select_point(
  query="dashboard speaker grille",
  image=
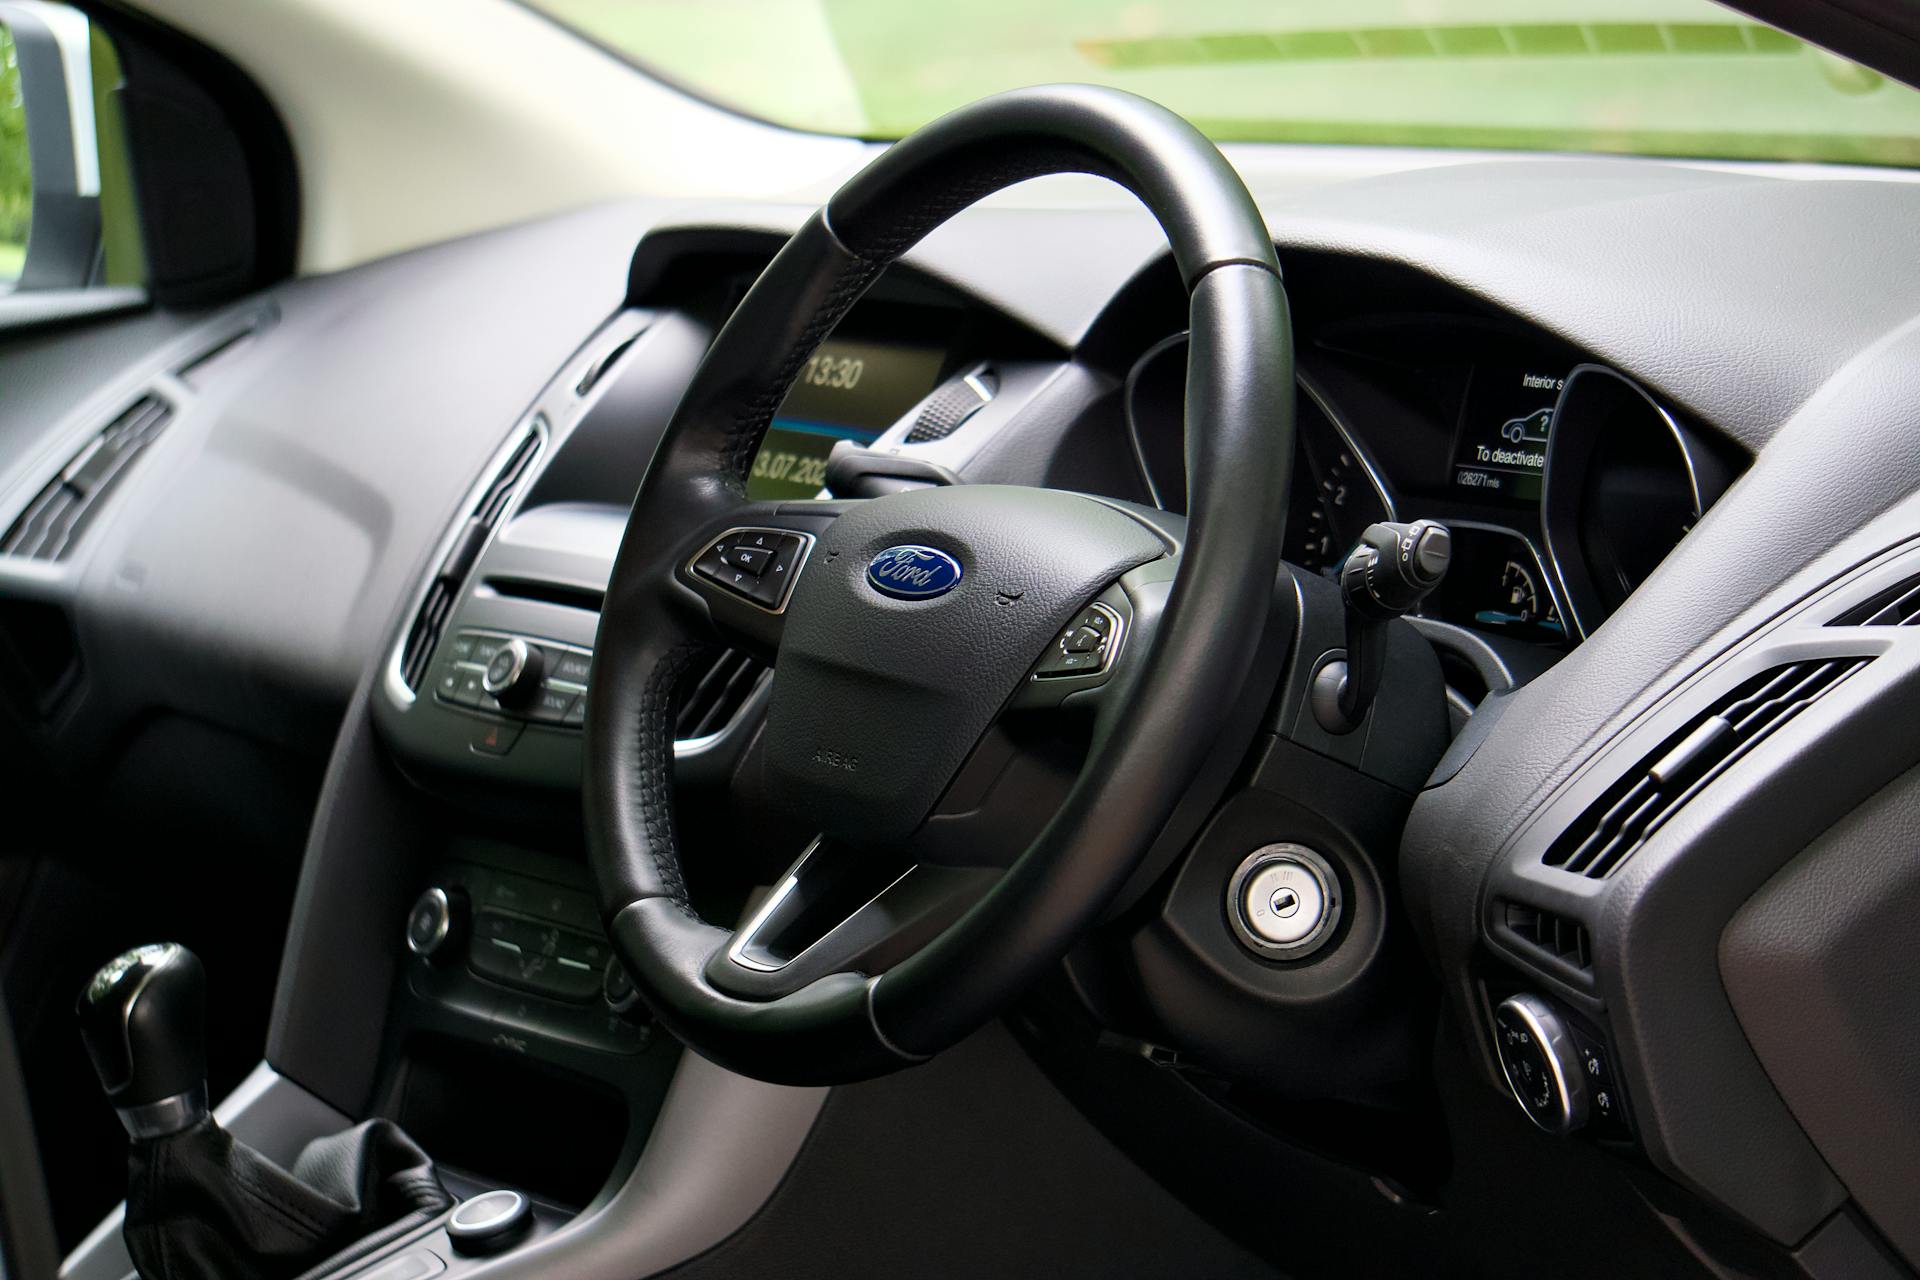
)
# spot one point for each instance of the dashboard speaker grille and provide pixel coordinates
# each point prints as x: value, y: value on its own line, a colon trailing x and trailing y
x: 1627, y: 814
x: 430, y: 620
x: 714, y: 699
x: 51, y: 525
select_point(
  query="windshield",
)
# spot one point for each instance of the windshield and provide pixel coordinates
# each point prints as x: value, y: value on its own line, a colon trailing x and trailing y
x: 1651, y: 77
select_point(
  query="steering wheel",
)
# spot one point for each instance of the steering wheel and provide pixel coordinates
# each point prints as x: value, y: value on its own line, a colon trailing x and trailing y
x: 902, y: 628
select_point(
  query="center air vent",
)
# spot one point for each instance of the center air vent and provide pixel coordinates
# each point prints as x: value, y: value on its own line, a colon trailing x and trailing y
x: 431, y: 618
x: 1629, y: 812
x: 54, y: 520
x: 716, y: 697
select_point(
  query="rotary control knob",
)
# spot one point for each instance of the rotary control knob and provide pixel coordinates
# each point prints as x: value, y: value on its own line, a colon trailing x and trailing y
x: 489, y: 1222
x: 1541, y: 1062
x: 513, y: 676
x: 617, y: 989
x: 437, y: 924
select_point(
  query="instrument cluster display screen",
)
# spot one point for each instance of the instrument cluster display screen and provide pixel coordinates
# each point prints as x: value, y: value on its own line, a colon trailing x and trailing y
x: 1501, y: 448
x: 849, y: 390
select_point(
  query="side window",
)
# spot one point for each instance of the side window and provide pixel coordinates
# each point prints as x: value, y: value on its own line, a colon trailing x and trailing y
x: 16, y: 173
x: 67, y: 212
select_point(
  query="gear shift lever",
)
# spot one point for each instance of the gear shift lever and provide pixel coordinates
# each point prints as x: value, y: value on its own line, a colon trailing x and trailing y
x: 202, y: 1205
x: 144, y: 1019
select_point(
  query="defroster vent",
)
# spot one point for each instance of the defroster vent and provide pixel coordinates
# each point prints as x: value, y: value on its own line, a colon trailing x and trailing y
x: 52, y: 523
x: 444, y: 589
x: 1629, y: 812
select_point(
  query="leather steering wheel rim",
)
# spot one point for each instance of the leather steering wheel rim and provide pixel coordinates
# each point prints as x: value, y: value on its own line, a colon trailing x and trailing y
x: 1239, y: 411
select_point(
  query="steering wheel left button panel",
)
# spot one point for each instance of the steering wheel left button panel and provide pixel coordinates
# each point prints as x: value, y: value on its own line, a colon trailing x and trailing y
x: 759, y: 565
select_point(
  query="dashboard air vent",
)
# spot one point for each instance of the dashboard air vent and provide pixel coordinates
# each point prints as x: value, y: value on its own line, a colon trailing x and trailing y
x: 444, y: 590
x: 1551, y: 934
x: 1897, y: 606
x: 713, y: 700
x: 1629, y: 812
x: 54, y: 520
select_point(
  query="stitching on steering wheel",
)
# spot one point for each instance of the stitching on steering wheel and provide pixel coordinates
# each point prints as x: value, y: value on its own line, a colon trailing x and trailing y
x: 656, y: 769
x: 872, y: 256
x: 938, y: 201
x: 752, y: 420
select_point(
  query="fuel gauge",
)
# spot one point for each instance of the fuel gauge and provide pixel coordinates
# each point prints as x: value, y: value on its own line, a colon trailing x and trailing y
x: 1519, y: 602
x: 1496, y: 584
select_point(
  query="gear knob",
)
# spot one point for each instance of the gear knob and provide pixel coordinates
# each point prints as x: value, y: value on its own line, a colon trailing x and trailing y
x: 144, y: 1019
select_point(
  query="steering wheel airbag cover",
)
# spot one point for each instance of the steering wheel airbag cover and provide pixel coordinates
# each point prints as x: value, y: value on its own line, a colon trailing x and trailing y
x: 878, y: 699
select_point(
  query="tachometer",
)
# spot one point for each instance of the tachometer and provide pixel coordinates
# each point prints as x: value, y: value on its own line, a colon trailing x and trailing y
x: 1333, y: 499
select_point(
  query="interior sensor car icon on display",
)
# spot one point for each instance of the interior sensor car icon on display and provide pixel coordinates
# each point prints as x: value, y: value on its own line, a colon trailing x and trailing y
x: 1531, y: 429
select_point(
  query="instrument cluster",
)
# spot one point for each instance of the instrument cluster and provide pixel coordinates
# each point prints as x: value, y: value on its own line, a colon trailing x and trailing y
x: 1564, y: 482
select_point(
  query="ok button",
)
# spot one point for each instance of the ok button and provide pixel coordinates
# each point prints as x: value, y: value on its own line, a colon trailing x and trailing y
x: 1284, y: 901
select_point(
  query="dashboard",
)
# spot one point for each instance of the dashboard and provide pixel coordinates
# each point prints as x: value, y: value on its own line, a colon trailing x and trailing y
x: 1639, y: 451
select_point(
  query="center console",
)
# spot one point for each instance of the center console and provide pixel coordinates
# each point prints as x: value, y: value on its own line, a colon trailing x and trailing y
x: 452, y: 968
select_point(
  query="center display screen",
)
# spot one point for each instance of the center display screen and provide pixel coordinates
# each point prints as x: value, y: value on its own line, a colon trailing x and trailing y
x: 1501, y: 448
x: 849, y: 390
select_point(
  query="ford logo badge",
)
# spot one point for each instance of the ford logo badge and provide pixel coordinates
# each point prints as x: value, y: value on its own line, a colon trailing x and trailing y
x: 913, y: 573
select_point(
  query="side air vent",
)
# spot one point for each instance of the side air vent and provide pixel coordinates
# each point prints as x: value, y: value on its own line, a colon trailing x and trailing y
x: 1551, y: 934
x: 1628, y: 814
x: 444, y: 590
x: 1897, y: 606
x: 52, y: 523
x: 716, y: 697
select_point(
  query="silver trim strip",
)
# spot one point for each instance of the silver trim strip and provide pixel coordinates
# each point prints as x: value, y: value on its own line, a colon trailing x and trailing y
x: 393, y: 679
x: 1332, y: 414
x: 1680, y: 438
x: 167, y: 1116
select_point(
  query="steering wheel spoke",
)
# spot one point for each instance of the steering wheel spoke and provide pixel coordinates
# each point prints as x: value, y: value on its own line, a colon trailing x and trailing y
x: 841, y: 910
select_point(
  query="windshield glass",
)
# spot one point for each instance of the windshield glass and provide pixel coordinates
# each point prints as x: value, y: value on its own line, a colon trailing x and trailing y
x: 1652, y: 77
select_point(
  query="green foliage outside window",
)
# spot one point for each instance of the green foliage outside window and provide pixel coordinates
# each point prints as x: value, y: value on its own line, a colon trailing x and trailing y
x: 1652, y: 77
x: 16, y: 176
